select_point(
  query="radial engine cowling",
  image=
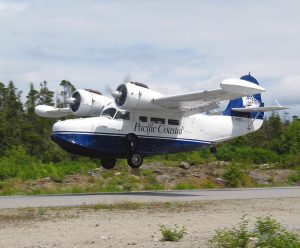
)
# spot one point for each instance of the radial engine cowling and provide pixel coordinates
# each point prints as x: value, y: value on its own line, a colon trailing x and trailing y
x: 130, y: 96
x: 87, y: 104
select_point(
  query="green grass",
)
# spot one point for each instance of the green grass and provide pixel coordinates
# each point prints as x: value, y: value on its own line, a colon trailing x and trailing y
x: 18, y: 164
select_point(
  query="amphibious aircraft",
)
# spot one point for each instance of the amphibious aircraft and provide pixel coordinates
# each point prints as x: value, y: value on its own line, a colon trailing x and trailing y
x: 138, y: 122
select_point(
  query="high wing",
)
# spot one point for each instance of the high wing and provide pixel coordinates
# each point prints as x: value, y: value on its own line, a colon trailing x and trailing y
x: 207, y: 100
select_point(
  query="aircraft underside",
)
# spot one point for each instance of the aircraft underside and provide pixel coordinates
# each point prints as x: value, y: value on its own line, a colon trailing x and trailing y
x: 110, y: 145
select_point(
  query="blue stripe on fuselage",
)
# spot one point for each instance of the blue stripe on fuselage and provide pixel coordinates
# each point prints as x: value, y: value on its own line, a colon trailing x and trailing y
x: 111, y: 144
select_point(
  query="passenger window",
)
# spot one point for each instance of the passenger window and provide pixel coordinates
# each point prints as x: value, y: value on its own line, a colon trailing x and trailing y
x: 157, y: 120
x: 173, y: 122
x: 143, y: 119
x: 109, y: 112
x: 123, y: 116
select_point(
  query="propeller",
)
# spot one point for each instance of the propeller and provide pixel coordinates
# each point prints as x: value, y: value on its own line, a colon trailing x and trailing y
x: 120, y: 95
x: 116, y: 94
x: 127, y: 78
x: 74, y: 101
x: 108, y: 90
x: 71, y: 100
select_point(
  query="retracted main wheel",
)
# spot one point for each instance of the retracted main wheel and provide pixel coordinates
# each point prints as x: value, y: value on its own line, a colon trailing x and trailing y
x: 131, y: 143
x: 135, y: 160
x: 108, y: 163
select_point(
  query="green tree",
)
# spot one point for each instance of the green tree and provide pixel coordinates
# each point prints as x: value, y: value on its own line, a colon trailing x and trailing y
x: 12, y: 115
x: 32, y: 99
x: 68, y: 89
x: 45, y: 96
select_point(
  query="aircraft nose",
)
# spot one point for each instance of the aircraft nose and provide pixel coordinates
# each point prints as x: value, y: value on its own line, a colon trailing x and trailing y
x: 74, y: 126
x: 59, y: 127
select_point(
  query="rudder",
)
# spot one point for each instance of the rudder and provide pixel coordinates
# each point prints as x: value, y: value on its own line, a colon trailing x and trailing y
x: 246, y: 102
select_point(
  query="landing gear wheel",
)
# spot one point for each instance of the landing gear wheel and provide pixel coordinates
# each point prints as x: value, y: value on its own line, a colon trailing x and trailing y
x: 135, y: 160
x: 108, y: 163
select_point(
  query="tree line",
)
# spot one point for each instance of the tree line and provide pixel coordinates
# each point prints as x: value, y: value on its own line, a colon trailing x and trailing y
x: 21, y: 128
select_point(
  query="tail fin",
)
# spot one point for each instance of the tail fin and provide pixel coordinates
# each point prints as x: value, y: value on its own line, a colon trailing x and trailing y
x: 246, y: 102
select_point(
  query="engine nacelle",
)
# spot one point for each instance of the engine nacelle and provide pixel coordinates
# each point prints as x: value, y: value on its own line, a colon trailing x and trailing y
x: 87, y: 103
x: 131, y: 96
x: 84, y: 103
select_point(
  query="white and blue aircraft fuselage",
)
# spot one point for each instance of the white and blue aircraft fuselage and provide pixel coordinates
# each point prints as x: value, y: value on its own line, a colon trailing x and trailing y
x: 140, y: 122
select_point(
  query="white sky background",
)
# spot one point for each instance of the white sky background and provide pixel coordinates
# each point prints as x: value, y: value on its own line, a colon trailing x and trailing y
x: 173, y: 46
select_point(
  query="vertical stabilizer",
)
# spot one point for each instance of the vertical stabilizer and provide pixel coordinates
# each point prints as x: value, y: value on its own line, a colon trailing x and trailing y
x: 253, y: 101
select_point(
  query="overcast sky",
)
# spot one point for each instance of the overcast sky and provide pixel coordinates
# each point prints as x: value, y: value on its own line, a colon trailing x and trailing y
x: 173, y: 46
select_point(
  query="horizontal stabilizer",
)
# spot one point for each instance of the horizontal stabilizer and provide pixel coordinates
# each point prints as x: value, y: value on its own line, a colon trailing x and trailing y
x: 259, y: 109
x: 52, y: 112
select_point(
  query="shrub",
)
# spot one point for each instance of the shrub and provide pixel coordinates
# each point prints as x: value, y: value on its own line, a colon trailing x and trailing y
x: 18, y: 164
x: 207, y: 183
x: 236, y: 175
x: 246, y: 154
x: 268, y: 233
x: 229, y: 238
x: 174, y: 234
x: 294, y: 178
x: 183, y: 186
x: 150, y: 181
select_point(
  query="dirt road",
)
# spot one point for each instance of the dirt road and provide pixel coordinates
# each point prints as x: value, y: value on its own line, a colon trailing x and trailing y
x: 77, y: 227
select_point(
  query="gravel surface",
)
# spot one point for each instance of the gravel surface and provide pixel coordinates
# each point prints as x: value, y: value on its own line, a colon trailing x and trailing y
x: 77, y: 227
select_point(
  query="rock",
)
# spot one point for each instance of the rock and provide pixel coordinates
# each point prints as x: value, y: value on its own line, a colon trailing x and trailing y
x: 184, y: 165
x: 157, y: 172
x: 90, y: 173
x: 223, y: 163
x: 260, y: 178
x: 117, y: 174
x: 134, y: 176
x: 221, y: 181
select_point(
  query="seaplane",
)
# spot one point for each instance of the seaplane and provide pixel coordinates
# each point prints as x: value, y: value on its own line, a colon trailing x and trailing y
x: 136, y: 121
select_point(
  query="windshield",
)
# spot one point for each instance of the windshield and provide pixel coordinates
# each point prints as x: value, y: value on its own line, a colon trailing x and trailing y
x: 123, y: 116
x: 109, y: 112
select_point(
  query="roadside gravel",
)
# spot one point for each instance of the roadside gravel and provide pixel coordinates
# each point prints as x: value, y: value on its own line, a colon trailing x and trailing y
x: 87, y: 227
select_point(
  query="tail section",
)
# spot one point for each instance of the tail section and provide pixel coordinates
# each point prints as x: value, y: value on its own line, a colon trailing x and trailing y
x: 238, y: 107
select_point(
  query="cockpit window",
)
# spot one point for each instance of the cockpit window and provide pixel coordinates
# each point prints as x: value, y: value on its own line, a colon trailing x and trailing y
x: 109, y: 112
x: 123, y: 116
